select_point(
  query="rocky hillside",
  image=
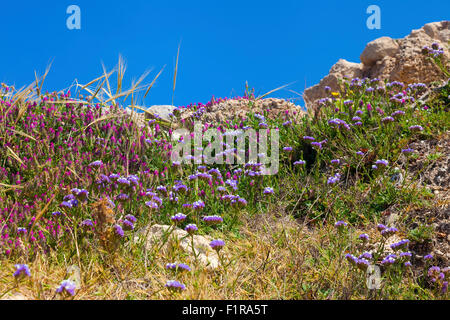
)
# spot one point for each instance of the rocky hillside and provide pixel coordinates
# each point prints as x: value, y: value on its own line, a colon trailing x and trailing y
x: 390, y: 59
x: 93, y: 206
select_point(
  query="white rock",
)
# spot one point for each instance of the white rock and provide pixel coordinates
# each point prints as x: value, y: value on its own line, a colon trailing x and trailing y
x: 156, y: 233
x: 163, y: 111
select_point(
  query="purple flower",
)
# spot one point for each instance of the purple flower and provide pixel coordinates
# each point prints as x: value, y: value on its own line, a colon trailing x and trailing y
x: 434, y: 271
x: 162, y: 189
x: 403, y: 244
x: 416, y: 128
x: 406, y: 255
x: 387, y: 119
x: 318, y: 145
x: 171, y: 266
x: 287, y: 149
x: 67, y: 287
x: 152, y: 205
x: 242, y: 202
x: 104, y: 180
x: 198, y: 205
x: 123, y: 181
x: 122, y: 197
x: 348, y: 102
x: 407, y: 150
x: 82, y: 194
x: 398, y: 113
x: 444, y: 287
x: 21, y: 230
x: 211, y: 220
x: 217, y: 244
x: 127, y: 225
x: 334, y: 179
x: 114, y: 176
x: 221, y: 189
x: 215, y: 172
x: 191, y: 228
x: 381, y: 227
x: 340, y: 224
x: 183, y: 267
x: 268, y: 190
x: 174, y: 285
x: 335, y: 162
x: 382, y: 162
x: 351, y: 258
x: 389, y: 232
x: 118, y: 230
x: 66, y: 204
x: 130, y: 218
x: 87, y: 223
x: 179, y: 217
x: 362, y: 264
x: 390, y: 259
x: 364, y: 237
x: 308, y: 138
x: 96, y: 164
x: 180, y: 188
x: 428, y: 257
x: 178, y: 267
x: 134, y: 180
x: 299, y: 162
x: 366, y: 255
x: 22, y: 271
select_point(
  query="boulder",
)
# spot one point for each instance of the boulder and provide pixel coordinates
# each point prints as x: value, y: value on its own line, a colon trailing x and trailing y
x: 342, y: 68
x: 391, y: 60
x: 165, y: 112
x: 378, y: 49
x: 156, y: 234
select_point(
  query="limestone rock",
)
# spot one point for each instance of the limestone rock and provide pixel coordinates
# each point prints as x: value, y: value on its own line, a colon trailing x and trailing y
x: 156, y: 233
x: 392, y: 60
x: 378, y: 49
x: 342, y: 68
x: 165, y: 112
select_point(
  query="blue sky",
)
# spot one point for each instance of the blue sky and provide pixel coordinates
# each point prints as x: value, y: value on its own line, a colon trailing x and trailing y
x: 223, y: 43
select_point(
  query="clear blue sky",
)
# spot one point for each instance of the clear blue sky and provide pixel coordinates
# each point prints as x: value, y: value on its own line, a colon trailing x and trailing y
x: 223, y: 42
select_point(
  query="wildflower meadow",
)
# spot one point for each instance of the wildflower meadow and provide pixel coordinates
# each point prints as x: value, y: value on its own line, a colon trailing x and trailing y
x: 83, y: 181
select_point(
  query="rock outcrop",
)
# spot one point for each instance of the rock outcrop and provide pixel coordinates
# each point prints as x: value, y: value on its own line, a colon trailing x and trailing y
x: 391, y: 59
x: 194, y: 246
x: 231, y: 109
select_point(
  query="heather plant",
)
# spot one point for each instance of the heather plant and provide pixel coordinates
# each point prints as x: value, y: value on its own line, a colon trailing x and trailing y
x: 80, y: 178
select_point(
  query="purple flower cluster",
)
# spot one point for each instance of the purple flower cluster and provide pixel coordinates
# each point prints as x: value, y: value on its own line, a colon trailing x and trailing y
x: 212, y: 220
